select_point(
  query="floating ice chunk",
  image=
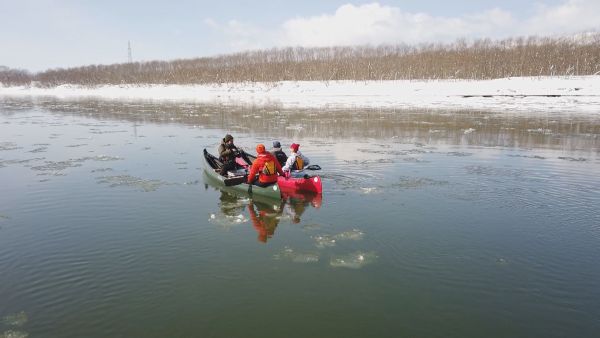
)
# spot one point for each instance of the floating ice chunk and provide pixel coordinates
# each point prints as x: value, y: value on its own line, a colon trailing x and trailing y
x: 9, y: 146
x: 227, y: 220
x: 16, y: 319
x: 14, y: 334
x: 368, y: 190
x: 131, y: 181
x: 573, y: 159
x: 297, y: 257
x: 323, y: 241
x: 354, y: 260
x: 353, y: 235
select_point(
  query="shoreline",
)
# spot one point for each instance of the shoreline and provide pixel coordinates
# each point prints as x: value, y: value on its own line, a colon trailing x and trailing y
x: 576, y: 94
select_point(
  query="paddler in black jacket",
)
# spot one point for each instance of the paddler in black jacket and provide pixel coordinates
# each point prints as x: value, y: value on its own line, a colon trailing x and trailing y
x: 227, y: 154
x: 278, y: 153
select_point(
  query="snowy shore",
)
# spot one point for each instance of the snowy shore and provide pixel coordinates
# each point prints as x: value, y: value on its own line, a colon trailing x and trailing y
x: 579, y: 94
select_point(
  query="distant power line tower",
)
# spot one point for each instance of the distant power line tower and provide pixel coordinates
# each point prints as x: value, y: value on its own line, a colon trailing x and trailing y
x: 129, y: 58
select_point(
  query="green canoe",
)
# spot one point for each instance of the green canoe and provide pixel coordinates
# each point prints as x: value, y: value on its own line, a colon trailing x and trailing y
x: 211, y: 169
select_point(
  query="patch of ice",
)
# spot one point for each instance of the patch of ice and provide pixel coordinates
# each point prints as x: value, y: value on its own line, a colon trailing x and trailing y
x: 354, y: 260
x: 131, y: 181
x: 15, y: 319
x: 297, y: 257
x: 14, y: 334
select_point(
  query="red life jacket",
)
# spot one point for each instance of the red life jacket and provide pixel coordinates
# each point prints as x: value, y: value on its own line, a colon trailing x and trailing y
x: 267, y: 167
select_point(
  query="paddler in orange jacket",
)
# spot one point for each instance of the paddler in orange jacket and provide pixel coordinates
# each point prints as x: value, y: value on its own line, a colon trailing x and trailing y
x: 267, y: 167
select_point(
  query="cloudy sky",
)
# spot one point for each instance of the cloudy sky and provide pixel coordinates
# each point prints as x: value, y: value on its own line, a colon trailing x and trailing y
x: 41, y: 34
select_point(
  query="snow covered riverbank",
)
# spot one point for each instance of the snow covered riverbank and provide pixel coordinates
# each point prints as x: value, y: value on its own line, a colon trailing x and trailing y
x: 579, y: 94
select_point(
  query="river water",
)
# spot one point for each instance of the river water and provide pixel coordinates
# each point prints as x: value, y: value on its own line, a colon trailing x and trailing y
x: 431, y: 224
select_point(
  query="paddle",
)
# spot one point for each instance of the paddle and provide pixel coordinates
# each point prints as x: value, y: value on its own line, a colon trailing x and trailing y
x: 231, y: 181
x: 313, y: 167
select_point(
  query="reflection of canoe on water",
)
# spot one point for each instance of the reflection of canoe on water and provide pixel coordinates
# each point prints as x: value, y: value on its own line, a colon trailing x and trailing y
x: 300, y: 180
x: 211, y: 168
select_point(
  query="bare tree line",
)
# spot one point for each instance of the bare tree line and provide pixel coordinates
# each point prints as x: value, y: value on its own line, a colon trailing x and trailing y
x: 480, y: 59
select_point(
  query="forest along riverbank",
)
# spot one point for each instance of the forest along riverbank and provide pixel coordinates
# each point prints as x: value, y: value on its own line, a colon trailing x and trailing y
x: 573, y: 94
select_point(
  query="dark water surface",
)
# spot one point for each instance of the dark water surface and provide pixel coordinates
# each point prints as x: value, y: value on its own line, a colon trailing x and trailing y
x: 431, y: 224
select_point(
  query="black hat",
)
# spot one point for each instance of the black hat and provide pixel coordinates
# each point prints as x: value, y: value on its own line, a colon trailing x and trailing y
x: 276, y: 144
x: 228, y: 138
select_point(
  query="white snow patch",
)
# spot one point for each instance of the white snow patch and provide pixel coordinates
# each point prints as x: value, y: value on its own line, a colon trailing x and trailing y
x: 524, y: 94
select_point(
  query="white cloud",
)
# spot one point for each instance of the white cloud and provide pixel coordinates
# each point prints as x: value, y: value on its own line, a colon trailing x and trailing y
x: 379, y: 24
x: 571, y: 16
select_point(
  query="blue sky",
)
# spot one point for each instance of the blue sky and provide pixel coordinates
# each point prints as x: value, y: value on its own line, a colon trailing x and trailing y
x: 42, y: 34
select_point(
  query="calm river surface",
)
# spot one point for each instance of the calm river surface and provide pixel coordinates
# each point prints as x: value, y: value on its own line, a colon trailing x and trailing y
x: 431, y: 224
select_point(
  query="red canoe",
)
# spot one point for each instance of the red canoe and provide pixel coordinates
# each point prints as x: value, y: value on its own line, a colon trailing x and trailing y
x: 291, y: 184
x: 312, y: 184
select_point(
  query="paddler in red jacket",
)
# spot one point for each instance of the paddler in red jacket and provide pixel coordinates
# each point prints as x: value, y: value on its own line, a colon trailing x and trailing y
x: 266, y: 166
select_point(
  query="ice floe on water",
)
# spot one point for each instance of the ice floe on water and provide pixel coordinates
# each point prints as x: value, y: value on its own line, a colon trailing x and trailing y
x: 501, y: 261
x: 297, y: 257
x: 5, y: 146
x: 323, y: 241
x: 459, y: 154
x: 355, y: 260
x: 39, y: 150
x: 4, y: 163
x: 311, y: 226
x: 15, y: 319
x: 14, y: 334
x: 405, y: 182
x: 352, y: 235
x: 145, y: 185
x: 573, y: 159
x: 56, y: 168
x: 227, y: 220
x: 368, y: 190
x: 102, y: 170
x: 527, y: 156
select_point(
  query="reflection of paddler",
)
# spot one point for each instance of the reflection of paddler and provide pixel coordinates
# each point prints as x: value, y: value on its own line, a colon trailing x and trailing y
x: 265, y: 221
x: 297, y: 203
x: 230, y: 204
